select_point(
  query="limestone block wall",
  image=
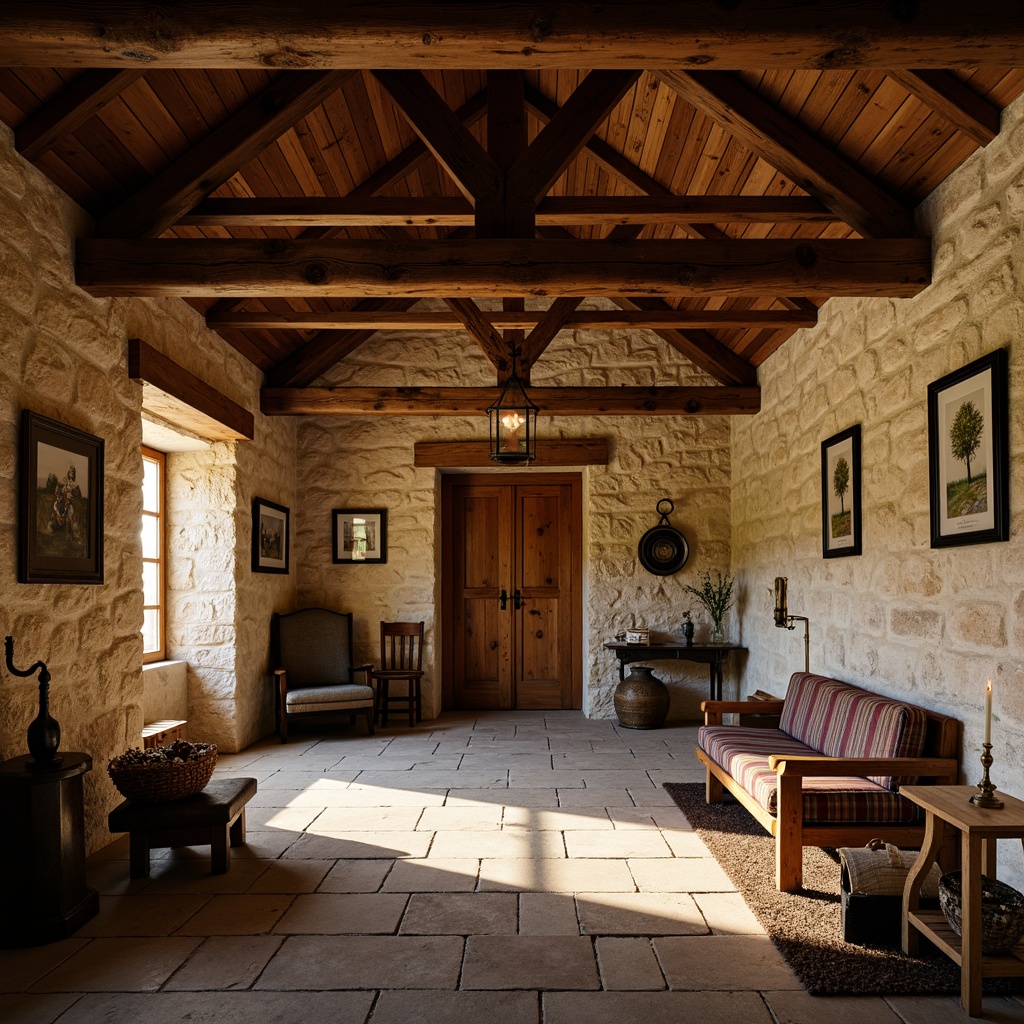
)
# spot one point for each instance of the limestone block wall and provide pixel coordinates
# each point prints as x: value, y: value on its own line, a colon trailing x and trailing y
x: 368, y: 462
x: 902, y: 618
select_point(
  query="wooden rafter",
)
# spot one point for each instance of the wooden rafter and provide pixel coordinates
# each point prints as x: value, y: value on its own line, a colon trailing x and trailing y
x: 952, y: 99
x: 476, y: 267
x: 467, y: 401
x: 481, y: 331
x: 516, y: 34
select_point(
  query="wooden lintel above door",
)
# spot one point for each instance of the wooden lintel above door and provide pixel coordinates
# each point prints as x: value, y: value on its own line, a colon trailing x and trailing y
x: 585, y: 451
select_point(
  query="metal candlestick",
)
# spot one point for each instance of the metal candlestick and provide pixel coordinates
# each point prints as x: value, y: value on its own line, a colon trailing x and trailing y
x: 986, y: 798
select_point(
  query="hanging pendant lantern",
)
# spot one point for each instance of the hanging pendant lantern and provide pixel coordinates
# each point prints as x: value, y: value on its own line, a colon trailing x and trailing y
x: 513, y: 423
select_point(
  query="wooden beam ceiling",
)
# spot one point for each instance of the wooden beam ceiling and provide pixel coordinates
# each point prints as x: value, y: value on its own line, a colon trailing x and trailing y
x: 517, y: 34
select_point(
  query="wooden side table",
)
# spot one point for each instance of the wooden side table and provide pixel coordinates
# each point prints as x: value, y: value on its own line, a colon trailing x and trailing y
x: 979, y: 829
x: 711, y: 655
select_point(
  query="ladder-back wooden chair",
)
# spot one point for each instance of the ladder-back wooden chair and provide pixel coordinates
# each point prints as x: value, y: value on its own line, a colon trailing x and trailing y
x: 401, y: 661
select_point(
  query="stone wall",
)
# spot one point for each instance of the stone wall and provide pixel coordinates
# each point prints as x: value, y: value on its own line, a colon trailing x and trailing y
x: 368, y: 462
x: 65, y: 356
x: 904, y: 619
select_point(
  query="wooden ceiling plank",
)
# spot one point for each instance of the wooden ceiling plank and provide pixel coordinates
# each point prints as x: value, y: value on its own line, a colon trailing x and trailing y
x: 811, y: 164
x: 70, y: 109
x: 552, y: 401
x: 953, y: 100
x: 466, y: 268
x: 482, y: 332
x: 308, y: 34
x: 444, y: 133
x: 208, y: 164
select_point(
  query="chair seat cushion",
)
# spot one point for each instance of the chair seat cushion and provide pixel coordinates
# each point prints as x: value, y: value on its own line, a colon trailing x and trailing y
x: 329, y: 698
x: 744, y: 752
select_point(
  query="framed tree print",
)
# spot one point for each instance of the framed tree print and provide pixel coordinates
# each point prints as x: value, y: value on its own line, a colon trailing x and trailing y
x: 968, y: 454
x: 60, y: 522
x: 270, y: 536
x: 840, y: 494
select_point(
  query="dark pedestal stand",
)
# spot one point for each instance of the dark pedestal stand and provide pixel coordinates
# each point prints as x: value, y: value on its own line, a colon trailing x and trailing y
x: 43, y: 895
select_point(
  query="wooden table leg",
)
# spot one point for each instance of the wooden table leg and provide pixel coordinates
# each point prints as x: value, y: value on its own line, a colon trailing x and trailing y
x: 970, y: 937
x: 237, y: 829
x: 933, y: 831
x: 219, y: 862
x: 138, y: 854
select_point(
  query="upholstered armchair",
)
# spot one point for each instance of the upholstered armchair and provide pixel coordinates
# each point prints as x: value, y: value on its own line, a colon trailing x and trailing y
x: 312, y: 650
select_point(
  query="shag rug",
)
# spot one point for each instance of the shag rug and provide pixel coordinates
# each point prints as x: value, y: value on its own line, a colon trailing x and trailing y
x: 806, y: 927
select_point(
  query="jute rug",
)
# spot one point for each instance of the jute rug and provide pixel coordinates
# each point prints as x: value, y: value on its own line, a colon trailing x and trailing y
x: 807, y: 926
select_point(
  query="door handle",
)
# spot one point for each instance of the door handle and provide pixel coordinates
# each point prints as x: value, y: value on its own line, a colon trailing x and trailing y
x: 517, y: 600
x: 503, y: 598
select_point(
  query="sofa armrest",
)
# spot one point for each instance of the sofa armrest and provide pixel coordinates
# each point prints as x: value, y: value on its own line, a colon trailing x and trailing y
x: 801, y: 766
x: 368, y: 669
x: 714, y: 709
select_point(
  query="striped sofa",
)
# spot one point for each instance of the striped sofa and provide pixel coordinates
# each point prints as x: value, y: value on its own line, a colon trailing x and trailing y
x: 829, y: 775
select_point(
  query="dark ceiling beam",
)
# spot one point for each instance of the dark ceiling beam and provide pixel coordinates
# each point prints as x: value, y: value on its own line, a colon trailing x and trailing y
x: 482, y: 332
x: 467, y: 268
x: 557, y: 316
x: 512, y: 34
x: 80, y: 101
x: 789, y: 148
x: 466, y: 401
x: 204, y: 167
x: 953, y: 100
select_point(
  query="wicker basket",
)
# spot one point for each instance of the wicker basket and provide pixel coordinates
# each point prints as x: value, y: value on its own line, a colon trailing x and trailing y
x: 1002, y: 911
x: 158, y: 782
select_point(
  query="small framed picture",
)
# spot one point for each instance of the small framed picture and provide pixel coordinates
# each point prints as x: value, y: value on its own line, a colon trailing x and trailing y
x: 60, y: 522
x: 271, y: 536
x: 968, y: 454
x: 360, y: 535
x: 840, y: 494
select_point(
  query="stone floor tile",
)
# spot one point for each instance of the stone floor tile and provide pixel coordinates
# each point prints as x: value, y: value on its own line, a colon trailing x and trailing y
x: 728, y: 963
x: 639, y: 913
x: 362, y: 819
x: 538, y: 778
x: 288, y: 819
x: 501, y: 844
x: 298, y: 780
x: 541, y: 818
x: 616, y: 843
x: 452, y: 818
x: 385, y: 796
x: 141, y: 914
x: 365, y: 962
x: 525, y: 797
x: 461, y: 913
x: 631, y: 817
x: 803, y: 1008
x: 628, y: 965
x: 655, y: 796
x: 475, y: 760
x: 728, y: 914
x: 680, y: 874
x: 685, y: 842
x: 22, y: 1008
x: 225, y: 963
x: 445, y: 1007
x: 465, y: 778
x: 529, y: 962
x: 571, y: 798
x: 186, y: 870
x: 112, y: 878
x: 589, y: 760
x: 654, y: 1007
x: 223, y: 1007
x: 614, y: 778
x: 553, y: 875
x: 119, y: 965
x: 263, y: 844
x: 356, y: 876
x: 280, y: 797
x: 947, y: 1009
x: 434, y: 874
x: 359, y: 845
x: 292, y: 876
x: 237, y: 915
x: 328, y: 913
x: 19, y: 968
x: 547, y: 913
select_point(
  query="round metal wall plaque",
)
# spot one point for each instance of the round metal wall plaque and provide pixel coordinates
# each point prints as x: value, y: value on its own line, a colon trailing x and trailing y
x: 663, y: 549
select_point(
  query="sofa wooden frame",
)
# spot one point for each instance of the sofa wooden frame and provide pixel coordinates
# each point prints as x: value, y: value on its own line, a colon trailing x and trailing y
x: 939, y: 764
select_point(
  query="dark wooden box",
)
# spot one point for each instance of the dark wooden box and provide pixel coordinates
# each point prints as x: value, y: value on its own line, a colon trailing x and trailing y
x: 870, y: 920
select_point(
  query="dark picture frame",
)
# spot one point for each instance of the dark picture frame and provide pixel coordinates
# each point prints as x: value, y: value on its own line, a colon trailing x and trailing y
x: 359, y: 536
x: 968, y: 430
x: 841, y: 534
x: 271, y: 536
x: 60, y: 503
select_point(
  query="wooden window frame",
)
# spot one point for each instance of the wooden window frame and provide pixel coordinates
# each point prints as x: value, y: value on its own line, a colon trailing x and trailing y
x: 161, y: 516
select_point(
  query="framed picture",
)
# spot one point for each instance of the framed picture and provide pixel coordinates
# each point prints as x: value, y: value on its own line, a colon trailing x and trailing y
x: 968, y: 454
x: 360, y: 535
x: 271, y: 535
x: 840, y: 494
x: 60, y: 520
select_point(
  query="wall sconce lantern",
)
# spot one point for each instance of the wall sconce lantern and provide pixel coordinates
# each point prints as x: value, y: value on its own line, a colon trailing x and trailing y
x: 786, y: 621
x: 513, y: 422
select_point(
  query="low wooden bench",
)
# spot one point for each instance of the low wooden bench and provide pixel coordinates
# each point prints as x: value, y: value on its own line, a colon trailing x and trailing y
x: 214, y: 817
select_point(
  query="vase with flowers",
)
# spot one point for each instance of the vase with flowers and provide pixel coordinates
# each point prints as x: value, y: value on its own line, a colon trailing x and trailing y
x: 717, y: 600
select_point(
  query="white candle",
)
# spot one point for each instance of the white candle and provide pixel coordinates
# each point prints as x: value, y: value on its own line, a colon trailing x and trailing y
x: 988, y: 712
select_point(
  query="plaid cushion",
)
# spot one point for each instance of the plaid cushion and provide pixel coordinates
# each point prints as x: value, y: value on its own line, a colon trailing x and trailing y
x: 845, y: 721
x: 744, y: 752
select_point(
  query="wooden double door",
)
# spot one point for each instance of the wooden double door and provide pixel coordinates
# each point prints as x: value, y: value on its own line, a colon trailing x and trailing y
x: 511, y: 595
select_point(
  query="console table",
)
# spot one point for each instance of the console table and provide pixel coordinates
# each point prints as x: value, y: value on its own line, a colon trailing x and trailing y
x: 711, y: 655
x: 979, y: 828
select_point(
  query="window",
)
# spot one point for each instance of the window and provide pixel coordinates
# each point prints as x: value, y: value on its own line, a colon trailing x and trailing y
x: 153, y: 575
